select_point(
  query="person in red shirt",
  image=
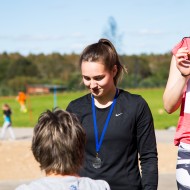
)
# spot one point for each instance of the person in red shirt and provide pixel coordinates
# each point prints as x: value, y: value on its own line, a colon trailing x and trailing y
x: 177, y: 94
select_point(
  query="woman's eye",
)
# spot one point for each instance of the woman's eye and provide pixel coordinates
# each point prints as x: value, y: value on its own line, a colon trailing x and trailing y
x: 98, y: 78
x: 86, y: 78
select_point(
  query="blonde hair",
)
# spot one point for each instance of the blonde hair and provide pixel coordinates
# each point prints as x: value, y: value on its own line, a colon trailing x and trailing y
x: 58, y: 142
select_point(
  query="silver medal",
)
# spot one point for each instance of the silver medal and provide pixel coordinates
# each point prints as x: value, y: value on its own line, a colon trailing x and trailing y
x: 97, y: 163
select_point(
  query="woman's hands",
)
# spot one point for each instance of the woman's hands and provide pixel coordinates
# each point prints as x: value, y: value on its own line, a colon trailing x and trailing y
x: 182, y: 61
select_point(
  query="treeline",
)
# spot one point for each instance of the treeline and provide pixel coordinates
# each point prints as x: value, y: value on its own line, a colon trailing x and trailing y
x: 17, y: 71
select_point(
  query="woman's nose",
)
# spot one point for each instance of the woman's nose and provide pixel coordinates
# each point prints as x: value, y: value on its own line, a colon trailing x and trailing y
x: 93, y: 84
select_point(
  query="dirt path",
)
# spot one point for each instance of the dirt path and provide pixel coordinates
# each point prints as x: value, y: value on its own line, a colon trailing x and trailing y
x: 17, y: 162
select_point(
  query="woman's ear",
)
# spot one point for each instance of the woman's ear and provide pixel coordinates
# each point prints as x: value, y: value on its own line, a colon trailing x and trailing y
x: 114, y: 70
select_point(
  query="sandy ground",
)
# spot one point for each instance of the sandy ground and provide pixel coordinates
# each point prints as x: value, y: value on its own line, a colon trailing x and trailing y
x: 18, y: 164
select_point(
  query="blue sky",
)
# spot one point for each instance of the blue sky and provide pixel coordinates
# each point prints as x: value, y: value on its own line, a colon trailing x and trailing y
x: 66, y: 26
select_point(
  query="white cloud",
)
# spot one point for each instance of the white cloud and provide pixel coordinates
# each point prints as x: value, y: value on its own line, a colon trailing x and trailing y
x: 32, y: 38
x: 41, y: 37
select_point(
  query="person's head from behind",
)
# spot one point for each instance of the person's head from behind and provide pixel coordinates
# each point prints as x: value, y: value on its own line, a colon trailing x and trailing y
x: 58, y: 142
x: 100, y: 65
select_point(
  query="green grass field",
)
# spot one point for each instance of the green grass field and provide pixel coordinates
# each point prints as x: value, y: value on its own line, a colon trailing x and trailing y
x: 36, y: 104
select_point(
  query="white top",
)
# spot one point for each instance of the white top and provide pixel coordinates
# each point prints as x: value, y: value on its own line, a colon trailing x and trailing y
x: 65, y: 183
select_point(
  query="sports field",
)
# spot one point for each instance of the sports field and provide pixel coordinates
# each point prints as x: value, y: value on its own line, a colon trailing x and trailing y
x: 39, y: 103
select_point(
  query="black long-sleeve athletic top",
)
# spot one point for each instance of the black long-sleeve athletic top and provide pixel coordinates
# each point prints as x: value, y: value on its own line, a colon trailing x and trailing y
x: 129, y: 138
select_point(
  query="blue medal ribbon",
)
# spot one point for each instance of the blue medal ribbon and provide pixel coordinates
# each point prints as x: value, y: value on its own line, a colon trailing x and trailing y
x: 99, y: 143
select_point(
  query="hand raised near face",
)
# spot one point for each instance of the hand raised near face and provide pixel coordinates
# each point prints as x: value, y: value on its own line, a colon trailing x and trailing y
x: 183, y: 61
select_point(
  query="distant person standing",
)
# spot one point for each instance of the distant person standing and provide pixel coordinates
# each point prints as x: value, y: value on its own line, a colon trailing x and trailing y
x: 7, y: 125
x: 21, y: 98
